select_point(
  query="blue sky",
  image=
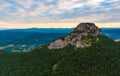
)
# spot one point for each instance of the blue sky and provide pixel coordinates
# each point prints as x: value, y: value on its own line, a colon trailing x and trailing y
x: 45, y: 11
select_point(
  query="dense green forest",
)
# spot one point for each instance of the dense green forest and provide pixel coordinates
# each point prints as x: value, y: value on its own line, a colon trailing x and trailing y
x: 101, y: 59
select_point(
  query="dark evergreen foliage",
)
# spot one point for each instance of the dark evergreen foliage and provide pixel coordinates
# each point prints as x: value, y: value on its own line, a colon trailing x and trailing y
x: 101, y: 59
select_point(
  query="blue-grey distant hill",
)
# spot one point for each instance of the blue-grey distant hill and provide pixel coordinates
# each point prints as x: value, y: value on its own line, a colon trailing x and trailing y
x: 41, y: 30
x: 113, y: 33
x: 25, y: 39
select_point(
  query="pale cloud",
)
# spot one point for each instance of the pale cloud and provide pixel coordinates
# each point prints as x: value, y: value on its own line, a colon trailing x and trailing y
x: 56, y: 12
x: 71, y: 4
x: 25, y: 3
x: 49, y: 0
x: 36, y: 11
x: 67, y: 4
x: 111, y: 1
x: 21, y: 11
x: 94, y: 2
x: 4, y: 5
x: 41, y: 8
x: 91, y: 18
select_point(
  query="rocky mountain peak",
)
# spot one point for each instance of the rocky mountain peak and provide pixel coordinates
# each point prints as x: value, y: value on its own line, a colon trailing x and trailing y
x: 81, y: 37
x: 85, y: 26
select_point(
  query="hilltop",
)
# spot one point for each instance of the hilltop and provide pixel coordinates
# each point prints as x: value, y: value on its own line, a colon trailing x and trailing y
x: 82, y: 36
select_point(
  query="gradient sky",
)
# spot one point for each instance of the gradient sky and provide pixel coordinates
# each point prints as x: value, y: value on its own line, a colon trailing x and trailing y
x: 58, y: 13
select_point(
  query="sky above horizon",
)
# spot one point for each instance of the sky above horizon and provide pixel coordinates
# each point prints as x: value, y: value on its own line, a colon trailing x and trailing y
x: 58, y: 13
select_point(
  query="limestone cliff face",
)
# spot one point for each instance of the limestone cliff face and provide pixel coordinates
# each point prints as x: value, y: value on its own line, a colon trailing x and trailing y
x: 78, y: 37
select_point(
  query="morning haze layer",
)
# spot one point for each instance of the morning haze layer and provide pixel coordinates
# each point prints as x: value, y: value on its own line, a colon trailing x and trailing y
x: 55, y: 25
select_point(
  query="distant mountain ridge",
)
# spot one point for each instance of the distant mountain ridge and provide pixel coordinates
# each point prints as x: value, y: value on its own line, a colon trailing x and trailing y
x: 41, y: 30
x: 21, y: 37
x: 113, y: 33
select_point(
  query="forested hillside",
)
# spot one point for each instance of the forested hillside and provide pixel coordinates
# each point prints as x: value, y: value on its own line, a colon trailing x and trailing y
x: 101, y: 59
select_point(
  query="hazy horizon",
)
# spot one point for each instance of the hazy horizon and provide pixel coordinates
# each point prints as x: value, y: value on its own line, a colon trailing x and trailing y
x: 55, y: 25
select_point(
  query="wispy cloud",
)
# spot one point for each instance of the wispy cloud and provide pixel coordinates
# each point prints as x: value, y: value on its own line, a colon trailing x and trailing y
x: 25, y: 3
x: 36, y: 11
x: 4, y: 5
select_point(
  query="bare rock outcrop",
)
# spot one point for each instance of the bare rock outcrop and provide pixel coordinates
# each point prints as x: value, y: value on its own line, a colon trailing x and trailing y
x: 78, y: 37
x: 58, y: 44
